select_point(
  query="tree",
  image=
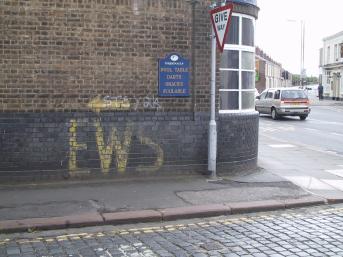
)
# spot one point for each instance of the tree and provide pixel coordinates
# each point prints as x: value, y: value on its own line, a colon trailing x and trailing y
x: 306, y: 80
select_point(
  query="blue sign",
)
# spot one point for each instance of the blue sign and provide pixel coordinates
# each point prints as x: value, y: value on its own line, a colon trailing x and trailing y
x: 173, y: 76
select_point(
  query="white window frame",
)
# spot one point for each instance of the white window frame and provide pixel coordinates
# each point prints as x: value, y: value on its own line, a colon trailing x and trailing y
x: 240, y: 48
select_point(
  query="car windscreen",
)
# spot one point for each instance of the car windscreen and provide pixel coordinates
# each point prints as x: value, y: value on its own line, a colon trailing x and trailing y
x: 293, y: 94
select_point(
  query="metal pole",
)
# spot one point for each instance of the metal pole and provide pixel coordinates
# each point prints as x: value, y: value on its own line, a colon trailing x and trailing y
x: 212, y: 135
x: 302, y: 54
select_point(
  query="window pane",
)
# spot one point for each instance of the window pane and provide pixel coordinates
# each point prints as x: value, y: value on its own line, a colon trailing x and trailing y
x: 248, y: 100
x: 233, y: 37
x: 270, y: 94
x: 229, y: 101
x: 263, y: 95
x: 247, y: 32
x: 230, y: 59
x: 229, y: 79
x: 248, y: 80
x: 248, y: 60
x: 293, y: 94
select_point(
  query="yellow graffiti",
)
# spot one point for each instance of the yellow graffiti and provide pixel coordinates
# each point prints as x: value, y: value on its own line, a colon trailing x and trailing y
x: 159, y: 152
x: 114, y: 144
x: 74, y: 146
x: 101, y: 104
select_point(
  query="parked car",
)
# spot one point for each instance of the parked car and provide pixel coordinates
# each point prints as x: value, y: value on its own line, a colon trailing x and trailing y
x: 283, y: 102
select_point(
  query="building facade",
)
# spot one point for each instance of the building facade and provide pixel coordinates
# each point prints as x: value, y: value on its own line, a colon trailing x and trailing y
x: 269, y: 73
x: 85, y: 90
x: 331, y: 64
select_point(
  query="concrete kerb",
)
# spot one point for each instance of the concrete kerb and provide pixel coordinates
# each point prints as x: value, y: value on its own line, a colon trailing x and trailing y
x: 31, y: 225
x: 197, y: 211
x: 127, y: 217
x: 161, y: 215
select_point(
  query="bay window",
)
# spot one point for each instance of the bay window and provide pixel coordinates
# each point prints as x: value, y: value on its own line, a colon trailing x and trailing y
x: 237, y: 66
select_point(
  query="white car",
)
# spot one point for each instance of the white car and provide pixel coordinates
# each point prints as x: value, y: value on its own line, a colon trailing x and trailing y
x: 283, y: 102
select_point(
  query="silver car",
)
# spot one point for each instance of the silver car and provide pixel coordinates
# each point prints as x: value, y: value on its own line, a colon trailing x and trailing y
x: 283, y: 102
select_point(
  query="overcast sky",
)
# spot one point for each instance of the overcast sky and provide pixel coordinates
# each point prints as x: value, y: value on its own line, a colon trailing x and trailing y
x: 280, y: 38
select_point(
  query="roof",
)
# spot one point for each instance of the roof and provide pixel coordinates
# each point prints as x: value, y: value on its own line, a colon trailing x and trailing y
x: 333, y: 36
x: 262, y: 55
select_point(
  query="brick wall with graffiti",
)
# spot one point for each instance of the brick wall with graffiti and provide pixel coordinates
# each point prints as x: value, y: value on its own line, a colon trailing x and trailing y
x: 60, y: 145
x: 79, y: 91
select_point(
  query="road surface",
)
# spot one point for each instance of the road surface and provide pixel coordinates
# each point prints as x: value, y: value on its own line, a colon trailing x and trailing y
x: 308, y: 153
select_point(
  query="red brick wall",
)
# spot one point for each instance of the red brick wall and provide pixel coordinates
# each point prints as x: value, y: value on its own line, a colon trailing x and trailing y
x: 59, y: 55
x: 79, y: 91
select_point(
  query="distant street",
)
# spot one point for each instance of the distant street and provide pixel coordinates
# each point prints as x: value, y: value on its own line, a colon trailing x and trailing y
x: 309, y: 153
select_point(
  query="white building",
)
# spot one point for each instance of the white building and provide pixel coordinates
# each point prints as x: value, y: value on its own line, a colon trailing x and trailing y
x: 331, y: 64
x: 273, y: 74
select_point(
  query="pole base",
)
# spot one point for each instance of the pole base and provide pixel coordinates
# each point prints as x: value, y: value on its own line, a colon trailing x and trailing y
x: 214, y: 179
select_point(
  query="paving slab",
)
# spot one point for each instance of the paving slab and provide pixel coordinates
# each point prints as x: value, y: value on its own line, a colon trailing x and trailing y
x: 131, y: 201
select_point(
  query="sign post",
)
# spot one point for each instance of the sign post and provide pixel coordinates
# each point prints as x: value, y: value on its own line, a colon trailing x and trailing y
x: 220, y: 18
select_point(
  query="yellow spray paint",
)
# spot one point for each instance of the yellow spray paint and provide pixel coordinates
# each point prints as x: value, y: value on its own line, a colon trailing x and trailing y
x: 159, y: 152
x: 100, y: 104
x: 74, y: 146
x: 114, y: 144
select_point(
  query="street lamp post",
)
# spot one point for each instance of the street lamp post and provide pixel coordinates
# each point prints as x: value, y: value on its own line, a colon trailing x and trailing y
x: 302, y: 49
x: 302, y: 71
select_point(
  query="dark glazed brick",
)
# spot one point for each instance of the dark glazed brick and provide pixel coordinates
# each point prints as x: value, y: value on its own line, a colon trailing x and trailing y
x: 45, y: 147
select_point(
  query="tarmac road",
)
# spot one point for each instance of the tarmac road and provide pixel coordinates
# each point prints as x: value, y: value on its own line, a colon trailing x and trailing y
x: 308, y: 153
x: 323, y: 128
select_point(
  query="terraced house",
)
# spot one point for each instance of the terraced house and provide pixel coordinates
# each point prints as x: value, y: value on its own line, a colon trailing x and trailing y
x: 331, y: 64
x: 269, y: 73
x: 83, y: 88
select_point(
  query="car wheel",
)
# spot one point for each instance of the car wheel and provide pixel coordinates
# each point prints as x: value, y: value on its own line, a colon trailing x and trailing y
x: 303, y: 117
x: 275, y: 116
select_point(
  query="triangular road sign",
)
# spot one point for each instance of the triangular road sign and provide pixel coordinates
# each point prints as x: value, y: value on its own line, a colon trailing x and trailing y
x: 221, y: 18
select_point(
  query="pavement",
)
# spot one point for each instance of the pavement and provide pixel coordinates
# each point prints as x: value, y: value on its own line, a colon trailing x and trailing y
x: 314, y: 100
x: 67, y: 204
x: 325, y: 102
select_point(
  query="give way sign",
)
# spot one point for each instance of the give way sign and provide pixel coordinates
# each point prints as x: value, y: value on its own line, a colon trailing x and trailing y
x: 221, y: 18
